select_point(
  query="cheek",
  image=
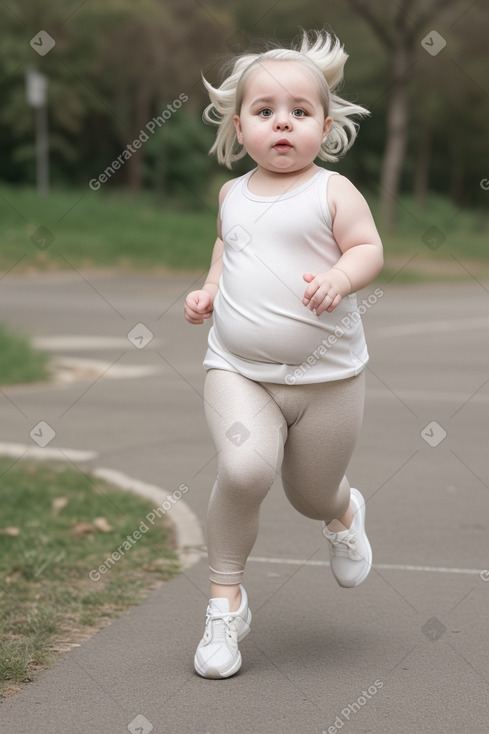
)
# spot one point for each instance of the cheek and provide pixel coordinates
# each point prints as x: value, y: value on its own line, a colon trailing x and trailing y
x: 316, y: 136
x: 254, y: 133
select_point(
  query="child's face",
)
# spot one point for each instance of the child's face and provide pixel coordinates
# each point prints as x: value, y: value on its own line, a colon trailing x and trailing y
x: 281, y: 102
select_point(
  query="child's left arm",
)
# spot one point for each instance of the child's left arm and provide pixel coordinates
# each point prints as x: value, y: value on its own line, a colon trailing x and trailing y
x: 358, y: 239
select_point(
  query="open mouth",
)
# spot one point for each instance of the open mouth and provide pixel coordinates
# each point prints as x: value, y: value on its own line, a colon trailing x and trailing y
x: 283, y: 145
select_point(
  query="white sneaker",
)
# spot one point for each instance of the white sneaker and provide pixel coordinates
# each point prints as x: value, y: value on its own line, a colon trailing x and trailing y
x: 217, y: 654
x: 350, y: 552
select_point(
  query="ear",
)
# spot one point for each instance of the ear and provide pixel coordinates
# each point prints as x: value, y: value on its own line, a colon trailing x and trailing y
x: 237, y: 127
x: 327, y: 126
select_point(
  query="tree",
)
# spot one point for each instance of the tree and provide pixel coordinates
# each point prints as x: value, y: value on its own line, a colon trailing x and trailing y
x: 450, y: 111
x: 114, y: 66
x: 396, y: 26
x: 152, y: 60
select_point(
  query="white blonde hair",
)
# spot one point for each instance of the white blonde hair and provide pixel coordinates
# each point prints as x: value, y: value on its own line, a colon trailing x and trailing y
x: 325, y: 56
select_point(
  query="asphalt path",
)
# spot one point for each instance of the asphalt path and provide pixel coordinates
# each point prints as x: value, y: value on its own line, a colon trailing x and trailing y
x: 405, y: 652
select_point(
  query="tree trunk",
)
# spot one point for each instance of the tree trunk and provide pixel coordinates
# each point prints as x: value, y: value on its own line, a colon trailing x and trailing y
x: 134, y: 169
x: 458, y: 191
x: 396, y: 133
x: 422, y: 172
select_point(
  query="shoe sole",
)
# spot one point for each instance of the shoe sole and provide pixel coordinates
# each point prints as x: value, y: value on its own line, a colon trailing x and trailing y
x: 215, y: 673
x: 361, y: 512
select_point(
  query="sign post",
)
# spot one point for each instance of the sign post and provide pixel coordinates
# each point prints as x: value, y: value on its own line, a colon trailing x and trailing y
x: 36, y: 92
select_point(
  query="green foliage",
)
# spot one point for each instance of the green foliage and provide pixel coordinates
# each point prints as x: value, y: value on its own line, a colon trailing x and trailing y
x: 104, y: 228
x: 177, y: 163
x: 138, y: 230
x: 111, y: 65
x: 47, y: 551
x: 115, y: 61
x: 19, y: 362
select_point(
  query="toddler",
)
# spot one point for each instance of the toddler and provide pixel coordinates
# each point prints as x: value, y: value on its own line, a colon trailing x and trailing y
x: 284, y: 388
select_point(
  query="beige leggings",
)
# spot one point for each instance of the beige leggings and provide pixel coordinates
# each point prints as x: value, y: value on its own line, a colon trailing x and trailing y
x: 306, y: 433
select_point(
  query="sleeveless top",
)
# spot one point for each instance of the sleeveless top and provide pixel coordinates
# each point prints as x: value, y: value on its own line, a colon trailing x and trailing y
x: 261, y: 329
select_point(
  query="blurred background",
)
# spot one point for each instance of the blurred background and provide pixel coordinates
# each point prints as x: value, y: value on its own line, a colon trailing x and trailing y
x: 82, y: 82
x: 108, y: 203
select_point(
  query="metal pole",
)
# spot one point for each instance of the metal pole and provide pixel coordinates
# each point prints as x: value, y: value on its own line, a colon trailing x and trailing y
x: 42, y: 156
x: 36, y: 92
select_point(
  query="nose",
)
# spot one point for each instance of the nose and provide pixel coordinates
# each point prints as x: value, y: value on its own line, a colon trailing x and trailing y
x: 282, y: 123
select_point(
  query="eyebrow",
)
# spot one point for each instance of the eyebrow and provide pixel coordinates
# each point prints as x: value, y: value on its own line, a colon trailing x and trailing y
x: 268, y: 100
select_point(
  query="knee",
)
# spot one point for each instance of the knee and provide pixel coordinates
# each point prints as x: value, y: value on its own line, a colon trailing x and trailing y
x: 301, y: 502
x: 246, y: 480
x: 326, y: 503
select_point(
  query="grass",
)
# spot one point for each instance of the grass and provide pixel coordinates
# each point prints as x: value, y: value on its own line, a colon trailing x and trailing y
x: 100, y: 230
x: 122, y: 229
x: 19, y: 362
x: 439, y: 241
x: 85, y: 229
x: 50, y: 540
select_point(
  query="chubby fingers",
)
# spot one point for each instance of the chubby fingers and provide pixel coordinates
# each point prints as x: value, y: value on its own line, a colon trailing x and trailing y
x: 329, y: 303
x: 311, y: 289
x: 197, y: 308
x: 192, y: 316
x: 320, y: 295
x: 316, y: 291
x: 196, y: 318
x: 325, y: 298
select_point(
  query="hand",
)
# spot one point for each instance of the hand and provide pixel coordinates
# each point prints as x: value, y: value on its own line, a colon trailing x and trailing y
x: 198, y: 306
x: 325, y: 290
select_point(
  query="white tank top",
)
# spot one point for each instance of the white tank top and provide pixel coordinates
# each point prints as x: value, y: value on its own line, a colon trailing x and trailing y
x: 261, y: 328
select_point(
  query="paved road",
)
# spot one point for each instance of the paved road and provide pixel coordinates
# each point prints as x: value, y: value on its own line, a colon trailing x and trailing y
x: 405, y: 652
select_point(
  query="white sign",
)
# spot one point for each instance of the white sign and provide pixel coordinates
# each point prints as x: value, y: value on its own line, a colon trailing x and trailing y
x: 36, y: 88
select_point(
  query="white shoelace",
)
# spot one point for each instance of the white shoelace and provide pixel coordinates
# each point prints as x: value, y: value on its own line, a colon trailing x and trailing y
x: 345, y: 546
x: 219, y: 632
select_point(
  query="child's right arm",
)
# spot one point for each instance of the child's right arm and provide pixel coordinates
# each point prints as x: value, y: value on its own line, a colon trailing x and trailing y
x: 199, y: 304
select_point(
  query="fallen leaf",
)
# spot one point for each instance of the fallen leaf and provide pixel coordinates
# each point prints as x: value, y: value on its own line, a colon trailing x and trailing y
x: 102, y: 524
x: 58, y: 504
x: 81, y: 529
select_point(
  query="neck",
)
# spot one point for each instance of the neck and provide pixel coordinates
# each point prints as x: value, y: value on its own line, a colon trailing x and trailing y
x: 285, y: 177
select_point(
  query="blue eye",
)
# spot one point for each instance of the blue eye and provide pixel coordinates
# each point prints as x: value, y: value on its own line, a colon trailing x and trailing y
x: 266, y: 112
x: 301, y: 112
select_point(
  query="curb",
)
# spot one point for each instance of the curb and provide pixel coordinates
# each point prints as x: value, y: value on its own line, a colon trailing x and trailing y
x: 189, y: 535
x: 188, y: 530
